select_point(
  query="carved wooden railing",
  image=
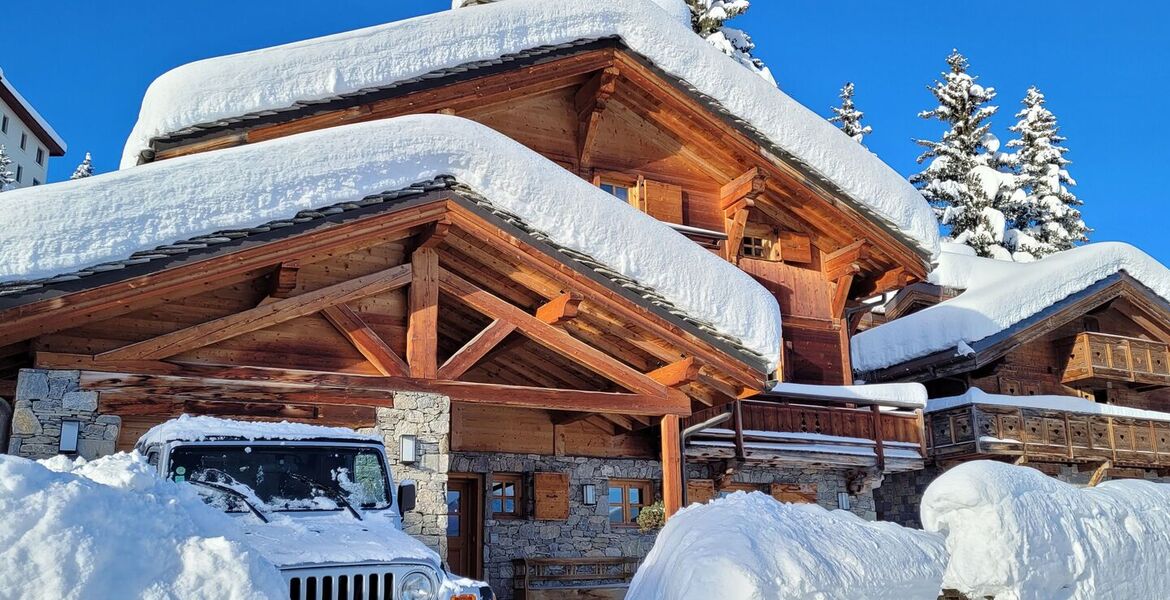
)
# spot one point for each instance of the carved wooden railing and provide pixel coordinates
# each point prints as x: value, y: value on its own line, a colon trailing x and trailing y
x: 846, y: 422
x: 1047, y: 436
x: 1095, y: 358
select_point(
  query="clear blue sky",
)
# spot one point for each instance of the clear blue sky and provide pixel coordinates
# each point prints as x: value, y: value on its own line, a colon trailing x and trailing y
x: 1103, y: 66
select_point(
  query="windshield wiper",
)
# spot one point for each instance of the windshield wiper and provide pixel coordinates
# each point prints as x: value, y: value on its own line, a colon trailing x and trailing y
x: 333, y: 493
x: 231, y: 492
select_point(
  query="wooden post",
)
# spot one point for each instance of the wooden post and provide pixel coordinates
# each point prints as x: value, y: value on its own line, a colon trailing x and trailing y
x: 740, y: 453
x: 671, y: 465
x: 879, y: 446
x: 422, y: 339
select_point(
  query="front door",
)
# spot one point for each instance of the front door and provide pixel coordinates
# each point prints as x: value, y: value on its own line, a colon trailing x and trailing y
x: 464, y: 527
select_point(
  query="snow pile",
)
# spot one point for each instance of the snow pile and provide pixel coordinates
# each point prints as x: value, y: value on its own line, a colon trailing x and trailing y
x: 1015, y: 533
x: 902, y: 395
x: 998, y: 295
x: 1063, y: 403
x: 111, y: 529
x: 278, y: 77
x: 677, y: 9
x: 751, y: 547
x: 48, y: 230
x: 187, y: 428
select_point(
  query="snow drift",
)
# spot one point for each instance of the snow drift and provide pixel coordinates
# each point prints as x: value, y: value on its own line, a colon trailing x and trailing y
x: 48, y: 230
x: 999, y: 294
x: 1015, y: 533
x: 112, y: 529
x: 751, y: 547
x: 278, y: 77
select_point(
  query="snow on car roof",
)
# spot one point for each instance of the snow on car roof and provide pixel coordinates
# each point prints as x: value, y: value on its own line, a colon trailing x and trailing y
x: 997, y: 295
x: 188, y: 428
x: 48, y: 230
x: 227, y: 87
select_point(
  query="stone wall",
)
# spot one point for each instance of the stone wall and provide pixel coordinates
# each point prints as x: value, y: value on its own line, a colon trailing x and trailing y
x: 428, y: 417
x: 900, y: 495
x: 829, y: 483
x: 44, y: 399
x: 5, y: 424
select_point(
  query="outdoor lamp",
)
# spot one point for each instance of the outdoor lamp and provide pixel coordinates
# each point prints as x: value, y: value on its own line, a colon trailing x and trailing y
x: 589, y: 494
x: 69, y: 432
x: 408, y: 449
x: 843, y: 500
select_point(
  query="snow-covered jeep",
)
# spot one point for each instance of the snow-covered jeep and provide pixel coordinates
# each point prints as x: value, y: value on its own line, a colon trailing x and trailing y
x: 318, y: 502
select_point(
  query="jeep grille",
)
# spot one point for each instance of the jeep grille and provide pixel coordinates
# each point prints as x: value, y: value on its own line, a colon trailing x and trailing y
x: 341, y: 584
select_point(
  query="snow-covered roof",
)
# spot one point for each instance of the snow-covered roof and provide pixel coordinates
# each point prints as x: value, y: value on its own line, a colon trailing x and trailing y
x: 215, y: 89
x: 998, y: 295
x: 39, y: 126
x: 188, y: 428
x: 48, y: 230
x: 901, y: 395
x: 1071, y: 404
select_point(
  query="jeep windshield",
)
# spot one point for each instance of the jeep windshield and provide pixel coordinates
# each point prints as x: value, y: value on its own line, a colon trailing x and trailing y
x: 287, y: 477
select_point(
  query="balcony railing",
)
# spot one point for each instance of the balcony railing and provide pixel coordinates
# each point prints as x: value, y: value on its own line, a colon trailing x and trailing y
x: 837, y: 432
x: 1097, y: 358
x: 982, y: 430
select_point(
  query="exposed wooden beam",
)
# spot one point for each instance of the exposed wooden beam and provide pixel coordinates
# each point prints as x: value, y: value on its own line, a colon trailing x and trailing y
x: 284, y: 279
x: 560, y: 309
x: 672, y: 466
x: 475, y: 349
x: 840, y: 295
x: 368, y: 342
x: 590, y: 102
x: 742, y: 191
x: 677, y: 373
x: 553, y: 338
x: 422, y: 333
x: 734, y: 226
x: 265, y: 315
x: 433, y: 235
x: 845, y: 261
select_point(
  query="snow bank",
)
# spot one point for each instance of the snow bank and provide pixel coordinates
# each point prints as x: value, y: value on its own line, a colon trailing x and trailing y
x: 1064, y: 403
x: 111, y: 529
x: 903, y: 395
x: 187, y: 428
x: 48, y: 230
x: 277, y: 77
x: 1015, y: 533
x: 999, y: 294
x: 751, y: 547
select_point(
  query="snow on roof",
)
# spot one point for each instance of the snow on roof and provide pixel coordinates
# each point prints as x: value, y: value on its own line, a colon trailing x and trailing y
x: 675, y: 8
x: 1062, y: 403
x: 52, y: 229
x: 751, y: 546
x: 187, y: 428
x: 112, y: 529
x: 997, y: 295
x: 39, y: 122
x: 902, y: 395
x: 1013, y: 532
x: 275, y: 78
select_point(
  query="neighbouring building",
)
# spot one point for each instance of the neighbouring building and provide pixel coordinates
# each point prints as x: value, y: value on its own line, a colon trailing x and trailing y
x: 27, y: 137
x: 561, y: 291
x: 1062, y: 364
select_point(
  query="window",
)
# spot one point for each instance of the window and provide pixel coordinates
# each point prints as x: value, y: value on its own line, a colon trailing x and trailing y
x: 36, y: 181
x: 40, y: 156
x: 4, y: 124
x: 627, y: 497
x: 618, y: 191
x: 19, y: 173
x: 507, y: 497
x: 753, y: 247
x: 24, y: 141
x: 760, y: 242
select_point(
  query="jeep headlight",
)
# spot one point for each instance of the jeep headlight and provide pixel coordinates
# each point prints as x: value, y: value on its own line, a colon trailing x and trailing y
x: 416, y: 586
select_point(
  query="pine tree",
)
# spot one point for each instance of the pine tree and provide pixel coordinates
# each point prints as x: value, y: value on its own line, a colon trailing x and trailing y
x: 708, y: 18
x: 7, y: 178
x: 849, y: 117
x: 85, y: 169
x: 1047, y: 220
x: 963, y: 194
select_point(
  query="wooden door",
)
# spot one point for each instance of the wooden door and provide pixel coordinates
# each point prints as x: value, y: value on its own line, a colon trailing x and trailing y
x: 465, y: 525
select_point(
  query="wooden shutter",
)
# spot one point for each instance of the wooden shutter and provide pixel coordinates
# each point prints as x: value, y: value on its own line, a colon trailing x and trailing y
x: 662, y: 201
x: 700, y: 490
x: 794, y: 247
x: 551, y: 491
x: 795, y: 493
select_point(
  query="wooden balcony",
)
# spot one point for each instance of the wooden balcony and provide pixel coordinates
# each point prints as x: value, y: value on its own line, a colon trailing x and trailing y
x: 782, y: 430
x: 1039, y: 435
x: 1097, y: 358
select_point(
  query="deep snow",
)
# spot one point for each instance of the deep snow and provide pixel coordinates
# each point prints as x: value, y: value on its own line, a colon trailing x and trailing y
x: 751, y: 547
x: 901, y: 395
x: 1017, y: 534
x: 188, y: 428
x: 277, y: 77
x: 48, y: 230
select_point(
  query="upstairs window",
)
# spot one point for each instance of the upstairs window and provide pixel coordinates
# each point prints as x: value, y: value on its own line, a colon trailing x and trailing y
x: 19, y: 173
x: 41, y: 156
x: 616, y: 190
x: 507, y: 498
x: 663, y: 201
x: 760, y: 242
x: 4, y: 124
x: 36, y: 182
x: 753, y: 247
x: 24, y: 141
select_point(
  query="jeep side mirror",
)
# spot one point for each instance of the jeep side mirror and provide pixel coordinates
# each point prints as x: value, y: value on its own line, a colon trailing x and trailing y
x: 406, y: 497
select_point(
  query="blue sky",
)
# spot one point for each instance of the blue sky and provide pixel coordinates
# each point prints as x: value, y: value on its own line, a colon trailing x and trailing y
x: 85, y: 65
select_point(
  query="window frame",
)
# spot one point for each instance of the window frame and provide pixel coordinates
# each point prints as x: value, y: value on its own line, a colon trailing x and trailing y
x: 24, y: 141
x: 518, y: 498
x: 645, y: 489
x: 40, y: 158
x: 3, y: 123
x: 19, y: 173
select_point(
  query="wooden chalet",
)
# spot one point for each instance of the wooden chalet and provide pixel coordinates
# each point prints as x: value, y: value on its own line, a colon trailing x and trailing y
x: 574, y: 395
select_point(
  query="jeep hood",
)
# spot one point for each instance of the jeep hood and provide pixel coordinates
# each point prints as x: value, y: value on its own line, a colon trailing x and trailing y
x: 330, y: 538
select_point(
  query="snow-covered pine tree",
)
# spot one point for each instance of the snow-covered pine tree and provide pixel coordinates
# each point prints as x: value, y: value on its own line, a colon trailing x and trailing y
x: 848, y: 117
x: 1047, y: 220
x: 708, y: 18
x: 7, y: 178
x: 963, y: 196
x: 83, y: 170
